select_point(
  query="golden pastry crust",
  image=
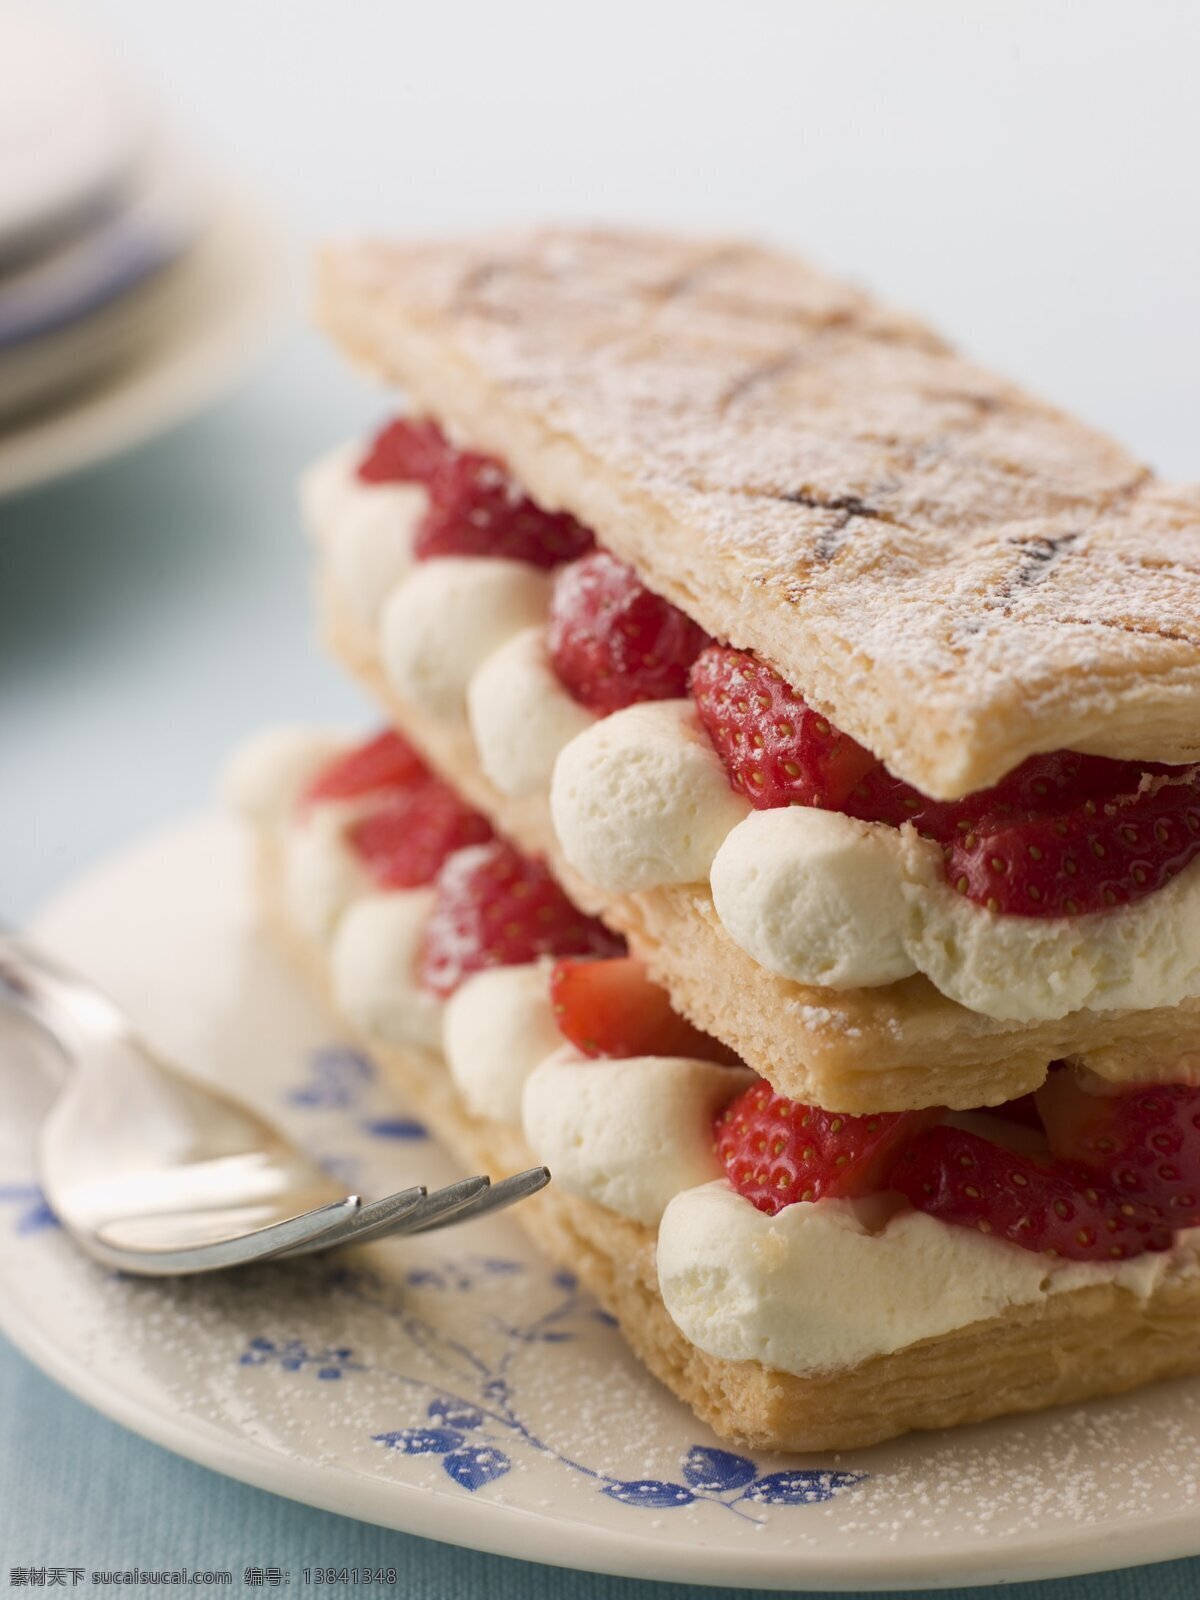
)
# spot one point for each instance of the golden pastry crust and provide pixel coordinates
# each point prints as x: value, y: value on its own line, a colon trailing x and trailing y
x: 813, y: 477
x: 1075, y: 1346
x: 888, y: 1049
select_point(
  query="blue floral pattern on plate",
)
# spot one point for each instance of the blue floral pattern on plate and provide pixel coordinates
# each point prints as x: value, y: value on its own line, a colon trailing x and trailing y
x: 32, y: 1215
x: 475, y: 1426
x: 340, y: 1078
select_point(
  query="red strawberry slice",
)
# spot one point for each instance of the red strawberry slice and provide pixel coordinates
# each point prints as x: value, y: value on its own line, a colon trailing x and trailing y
x: 1144, y: 1142
x: 1043, y: 785
x: 1101, y: 854
x: 1053, y: 782
x: 1056, y: 1208
x: 611, y: 1008
x: 408, y: 450
x: 412, y: 830
x: 387, y: 761
x: 498, y: 908
x: 613, y: 642
x: 477, y: 510
x: 777, y: 750
x: 777, y: 1151
x: 1061, y: 835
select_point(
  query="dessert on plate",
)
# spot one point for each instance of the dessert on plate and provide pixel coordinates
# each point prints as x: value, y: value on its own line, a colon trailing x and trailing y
x: 787, y: 827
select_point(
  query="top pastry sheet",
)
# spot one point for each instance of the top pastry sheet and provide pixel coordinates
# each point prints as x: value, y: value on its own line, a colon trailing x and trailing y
x: 955, y: 573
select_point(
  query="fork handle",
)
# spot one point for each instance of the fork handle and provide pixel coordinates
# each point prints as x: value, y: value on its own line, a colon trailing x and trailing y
x: 59, y: 1001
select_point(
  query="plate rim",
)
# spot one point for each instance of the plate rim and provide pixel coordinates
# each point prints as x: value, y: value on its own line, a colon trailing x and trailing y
x: 179, y: 372
x: 504, y: 1529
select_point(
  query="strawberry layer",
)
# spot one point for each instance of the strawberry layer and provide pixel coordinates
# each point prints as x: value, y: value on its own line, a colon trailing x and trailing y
x: 1080, y: 1171
x: 630, y: 1135
x: 1141, y: 1145
x: 1115, y: 1171
x: 479, y: 618
x: 1063, y: 835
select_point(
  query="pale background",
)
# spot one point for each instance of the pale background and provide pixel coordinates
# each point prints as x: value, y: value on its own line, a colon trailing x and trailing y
x: 1023, y: 173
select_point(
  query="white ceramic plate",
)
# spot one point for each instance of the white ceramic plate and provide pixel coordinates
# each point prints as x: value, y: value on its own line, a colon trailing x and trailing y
x: 460, y: 1387
x: 180, y: 341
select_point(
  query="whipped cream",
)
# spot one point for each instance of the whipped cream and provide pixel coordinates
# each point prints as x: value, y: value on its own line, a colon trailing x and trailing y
x: 822, y: 899
x: 262, y: 781
x: 373, y: 962
x: 363, y: 531
x: 265, y: 776
x: 322, y: 874
x: 446, y: 616
x: 498, y: 1025
x: 641, y: 799
x: 628, y: 1133
x: 326, y: 485
x: 813, y: 893
x: 521, y: 715
x: 374, y: 547
x: 820, y: 1286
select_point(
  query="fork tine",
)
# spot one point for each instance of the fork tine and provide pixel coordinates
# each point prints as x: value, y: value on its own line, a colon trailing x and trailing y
x: 494, y: 1198
x: 380, y: 1216
x: 261, y: 1245
x: 414, y: 1211
x: 430, y: 1209
x: 443, y: 1204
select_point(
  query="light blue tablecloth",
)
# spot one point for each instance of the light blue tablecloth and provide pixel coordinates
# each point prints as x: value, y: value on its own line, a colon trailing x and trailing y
x: 150, y: 613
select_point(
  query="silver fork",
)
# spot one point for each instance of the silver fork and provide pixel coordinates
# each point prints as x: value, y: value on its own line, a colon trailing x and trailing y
x: 156, y: 1174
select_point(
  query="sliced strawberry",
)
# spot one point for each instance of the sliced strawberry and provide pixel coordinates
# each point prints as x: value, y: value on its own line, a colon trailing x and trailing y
x: 1061, y: 835
x: 1143, y: 1141
x: 1053, y: 782
x: 498, y: 908
x: 1057, y: 1208
x: 613, y: 642
x: 1101, y: 854
x: 1041, y: 786
x: 408, y: 450
x: 477, y: 510
x: 879, y: 796
x: 777, y: 750
x: 777, y: 1151
x: 387, y: 761
x: 611, y: 1008
x: 411, y: 831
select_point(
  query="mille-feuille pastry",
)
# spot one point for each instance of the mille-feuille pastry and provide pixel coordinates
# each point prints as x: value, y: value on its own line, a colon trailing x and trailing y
x: 856, y: 690
x: 838, y: 1308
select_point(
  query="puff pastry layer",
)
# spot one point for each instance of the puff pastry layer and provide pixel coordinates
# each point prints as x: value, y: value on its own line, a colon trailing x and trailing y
x: 815, y: 477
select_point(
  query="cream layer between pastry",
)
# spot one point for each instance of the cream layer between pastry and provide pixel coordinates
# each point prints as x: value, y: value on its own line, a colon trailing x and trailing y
x: 639, y: 800
x: 820, y: 1287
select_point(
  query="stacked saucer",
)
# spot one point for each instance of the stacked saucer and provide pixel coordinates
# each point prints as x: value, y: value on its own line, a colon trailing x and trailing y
x: 116, y: 256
